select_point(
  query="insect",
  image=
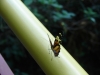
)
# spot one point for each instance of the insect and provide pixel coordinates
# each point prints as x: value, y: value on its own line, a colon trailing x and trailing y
x: 56, y: 46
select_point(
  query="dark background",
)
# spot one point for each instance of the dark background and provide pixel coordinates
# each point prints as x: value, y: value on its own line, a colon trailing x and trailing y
x: 77, y: 20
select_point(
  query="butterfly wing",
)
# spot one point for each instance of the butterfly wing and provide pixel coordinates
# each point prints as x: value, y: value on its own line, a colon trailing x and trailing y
x: 56, y: 47
x: 50, y: 42
x: 56, y: 50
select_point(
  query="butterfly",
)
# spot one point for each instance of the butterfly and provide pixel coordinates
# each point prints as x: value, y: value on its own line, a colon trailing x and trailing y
x: 56, y: 46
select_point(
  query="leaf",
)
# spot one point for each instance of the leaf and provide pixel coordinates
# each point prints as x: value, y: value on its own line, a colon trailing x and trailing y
x: 64, y: 15
x: 56, y: 18
x: 93, y: 19
x: 57, y: 6
x: 39, y: 16
x: 43, y: 1
x: 90, y: 13
x: 68, y: 15
x: 28, y: 2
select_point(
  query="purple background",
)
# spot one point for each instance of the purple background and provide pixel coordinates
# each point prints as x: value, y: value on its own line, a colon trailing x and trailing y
x: 4, y: 69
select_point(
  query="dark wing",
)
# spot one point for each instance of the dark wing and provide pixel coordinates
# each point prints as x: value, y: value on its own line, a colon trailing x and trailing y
x: 50, y: 42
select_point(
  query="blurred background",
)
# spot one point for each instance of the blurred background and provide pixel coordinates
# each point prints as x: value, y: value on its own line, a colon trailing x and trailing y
x: 77, y: 20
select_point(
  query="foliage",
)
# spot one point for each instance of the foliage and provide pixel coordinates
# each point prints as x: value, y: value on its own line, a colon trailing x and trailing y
x: 78, y: 21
